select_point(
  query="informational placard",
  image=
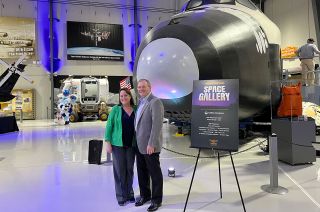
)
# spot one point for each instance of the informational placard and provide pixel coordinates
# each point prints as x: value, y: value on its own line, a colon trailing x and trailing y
x: 214, y: 119
x: 17, y: 37
x: 94, y: 41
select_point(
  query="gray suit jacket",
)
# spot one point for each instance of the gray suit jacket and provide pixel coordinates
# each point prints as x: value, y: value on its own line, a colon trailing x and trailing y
x: 149, y: 125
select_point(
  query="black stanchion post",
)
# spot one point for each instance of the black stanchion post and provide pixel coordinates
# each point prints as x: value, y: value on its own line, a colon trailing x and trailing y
x: 194, y: 171
x: 235, y: 174
x: 219, y: 175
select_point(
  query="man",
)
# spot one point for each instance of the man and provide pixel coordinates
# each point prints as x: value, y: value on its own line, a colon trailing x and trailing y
x: 306, y: 55
x: 148, y: 126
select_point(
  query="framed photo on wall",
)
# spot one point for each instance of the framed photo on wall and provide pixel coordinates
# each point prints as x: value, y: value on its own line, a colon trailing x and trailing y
x: 17, y: 37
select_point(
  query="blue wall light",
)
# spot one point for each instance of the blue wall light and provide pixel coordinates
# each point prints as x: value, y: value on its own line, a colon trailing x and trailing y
x: 132, y: 44
x: 44, y: 37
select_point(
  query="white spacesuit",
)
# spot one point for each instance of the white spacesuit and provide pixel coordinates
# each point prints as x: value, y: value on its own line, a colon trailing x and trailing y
x: 65, y: 107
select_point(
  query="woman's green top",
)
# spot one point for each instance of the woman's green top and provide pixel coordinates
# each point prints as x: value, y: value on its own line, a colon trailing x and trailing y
x: 113, y: 132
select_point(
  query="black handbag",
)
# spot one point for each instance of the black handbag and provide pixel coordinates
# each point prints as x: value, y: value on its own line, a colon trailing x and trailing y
x: 95, y: 151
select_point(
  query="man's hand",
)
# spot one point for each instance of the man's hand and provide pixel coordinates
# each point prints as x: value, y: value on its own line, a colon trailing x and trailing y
x: 150, y: 150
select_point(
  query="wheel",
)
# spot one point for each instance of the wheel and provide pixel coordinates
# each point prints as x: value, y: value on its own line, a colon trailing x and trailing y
x: 73, y: 117
x: 103, y: 116
x: 80, y: 115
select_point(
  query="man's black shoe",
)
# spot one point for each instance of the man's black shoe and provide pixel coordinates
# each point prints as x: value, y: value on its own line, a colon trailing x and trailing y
x: 154, y: 206
x: 141, y: 201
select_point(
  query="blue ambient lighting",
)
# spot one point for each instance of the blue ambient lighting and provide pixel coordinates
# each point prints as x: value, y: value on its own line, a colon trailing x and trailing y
x: 44, y: 37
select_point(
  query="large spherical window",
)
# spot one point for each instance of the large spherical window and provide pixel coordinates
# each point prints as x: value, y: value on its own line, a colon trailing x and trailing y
x: 170, y: 65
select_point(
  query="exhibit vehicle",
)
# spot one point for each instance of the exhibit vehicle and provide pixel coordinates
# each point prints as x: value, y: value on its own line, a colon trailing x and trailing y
x: 10, y: 77
x: 212, y: 39
x: 91, y: 97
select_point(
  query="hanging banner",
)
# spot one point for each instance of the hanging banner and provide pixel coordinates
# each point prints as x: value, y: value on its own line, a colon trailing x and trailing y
x: 214, y: 119
x: 94, y: 41
x: 17, y: 37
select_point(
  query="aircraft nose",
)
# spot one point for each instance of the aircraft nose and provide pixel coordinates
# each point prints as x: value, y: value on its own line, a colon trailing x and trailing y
x: 170, y: 65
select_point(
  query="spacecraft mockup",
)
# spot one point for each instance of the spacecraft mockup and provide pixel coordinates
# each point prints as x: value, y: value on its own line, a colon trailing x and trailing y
x: 211, y: 39
x: 10, y: 77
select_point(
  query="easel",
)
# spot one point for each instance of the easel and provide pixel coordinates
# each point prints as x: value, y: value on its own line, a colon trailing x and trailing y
x: 235, y: 174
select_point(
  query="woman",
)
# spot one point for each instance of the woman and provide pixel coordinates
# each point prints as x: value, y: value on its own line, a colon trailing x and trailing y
x: 120, y: 142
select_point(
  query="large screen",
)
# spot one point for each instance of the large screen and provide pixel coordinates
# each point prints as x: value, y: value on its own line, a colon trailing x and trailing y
x: 94, y: 41
x: 17, y: 37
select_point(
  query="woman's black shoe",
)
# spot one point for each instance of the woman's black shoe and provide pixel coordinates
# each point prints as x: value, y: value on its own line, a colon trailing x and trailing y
x: 132, y: 200
x: 121, y: 203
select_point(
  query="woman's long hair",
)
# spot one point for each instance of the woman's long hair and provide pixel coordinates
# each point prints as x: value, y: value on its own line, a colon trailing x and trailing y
x: 129, y: 93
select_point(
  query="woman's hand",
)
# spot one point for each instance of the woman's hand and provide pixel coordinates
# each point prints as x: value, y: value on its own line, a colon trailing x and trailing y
x: 109, y: 147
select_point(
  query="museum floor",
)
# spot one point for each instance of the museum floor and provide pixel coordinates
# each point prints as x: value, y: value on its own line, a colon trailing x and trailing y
x: 43, y: 168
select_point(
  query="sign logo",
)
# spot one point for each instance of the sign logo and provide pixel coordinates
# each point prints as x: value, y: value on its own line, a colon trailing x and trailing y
x: 213, y: 142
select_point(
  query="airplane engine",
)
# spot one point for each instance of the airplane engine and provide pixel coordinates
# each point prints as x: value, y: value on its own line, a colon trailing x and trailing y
x: 211, y: 40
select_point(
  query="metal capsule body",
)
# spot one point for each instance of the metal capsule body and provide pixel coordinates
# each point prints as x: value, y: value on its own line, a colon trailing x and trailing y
x: 211, y: 42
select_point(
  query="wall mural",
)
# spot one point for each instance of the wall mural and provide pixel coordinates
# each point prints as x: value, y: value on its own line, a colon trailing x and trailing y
x: 17, y: 37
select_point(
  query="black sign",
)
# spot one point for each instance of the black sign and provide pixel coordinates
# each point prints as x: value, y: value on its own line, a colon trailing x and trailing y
x: 94, y: 41
x: 214, y: 120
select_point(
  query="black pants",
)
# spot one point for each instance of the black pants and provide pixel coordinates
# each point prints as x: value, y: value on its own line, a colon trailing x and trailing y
x: 123, y: 161
x: 149, y: 166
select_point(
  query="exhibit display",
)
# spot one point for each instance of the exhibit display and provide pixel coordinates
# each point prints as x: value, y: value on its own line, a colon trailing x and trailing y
x: 17, y: 37
x: 210, y: 40
x: 24, y: 102
x: 289, y: 52
x: 218, y: 67
x: 298, y: 101
x: 311, y: 102
x: 295, y: 139
x: 312, y: 110
x: 291, y: 101
x: 95, y: 95
x: 8, y: 124
x: 90, y: 98
x: 10, y: 77
x: 94, y: 41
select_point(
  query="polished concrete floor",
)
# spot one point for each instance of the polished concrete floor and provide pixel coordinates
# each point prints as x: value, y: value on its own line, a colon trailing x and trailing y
x: 44, y: 168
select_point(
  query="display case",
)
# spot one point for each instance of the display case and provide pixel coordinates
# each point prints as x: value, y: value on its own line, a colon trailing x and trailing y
x: 295, y: 138
x: 24, y: 101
